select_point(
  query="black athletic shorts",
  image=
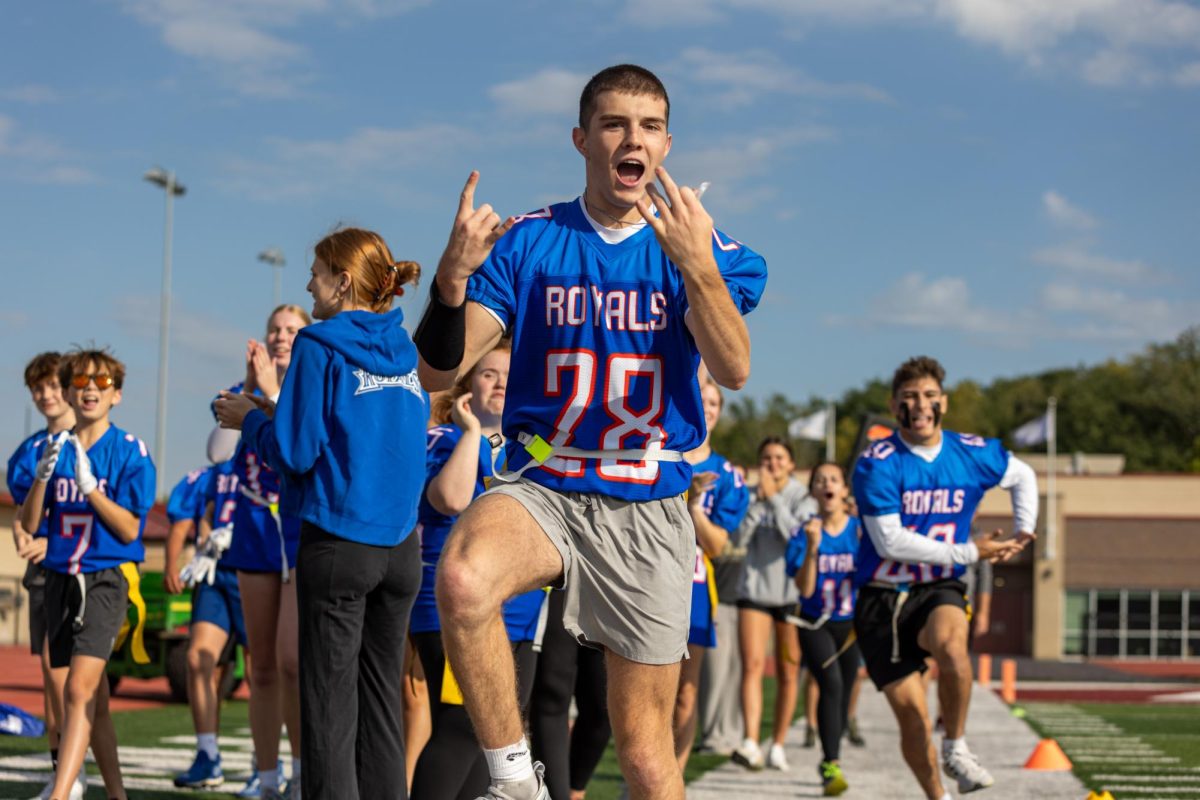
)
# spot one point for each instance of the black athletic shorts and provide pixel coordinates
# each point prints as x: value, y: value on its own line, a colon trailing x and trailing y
x: 93, y: 634
x: 35, y: 584
x: 778, y: 613
x: 873, y: 617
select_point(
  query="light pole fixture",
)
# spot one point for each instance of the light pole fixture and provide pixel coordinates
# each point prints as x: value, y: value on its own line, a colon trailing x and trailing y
x: 274, y: 257
x: 172, y: 188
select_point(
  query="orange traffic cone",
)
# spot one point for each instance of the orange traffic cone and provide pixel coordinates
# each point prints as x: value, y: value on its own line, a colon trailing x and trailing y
x: 1048, y: 756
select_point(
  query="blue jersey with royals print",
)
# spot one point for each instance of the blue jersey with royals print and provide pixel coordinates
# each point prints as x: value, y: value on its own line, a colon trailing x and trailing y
x: 258, y: 547
x: 934, y: 498
x: 222, y: 492
x: 188, y: 497
x: 22, y: 469
x: 725, y: 505
x: 602, y: 357
x: 79, y: 540
x: 835, y: 591
x: 521, y: 612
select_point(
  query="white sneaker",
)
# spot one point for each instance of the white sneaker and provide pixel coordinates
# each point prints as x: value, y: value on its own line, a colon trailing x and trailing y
x: 47, y: 791
x: 522, y: 790
x: 964, y: 767
x: 78, y: 789
x: 776, y: 758
x: 748, y: 754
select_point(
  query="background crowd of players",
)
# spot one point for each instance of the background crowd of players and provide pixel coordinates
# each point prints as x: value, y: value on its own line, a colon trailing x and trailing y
x: 323, y: 574
x: 776, y: 559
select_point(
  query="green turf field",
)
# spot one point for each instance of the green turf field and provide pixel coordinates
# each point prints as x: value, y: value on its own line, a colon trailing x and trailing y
x: 156, y: 743
x: 1139, y: 750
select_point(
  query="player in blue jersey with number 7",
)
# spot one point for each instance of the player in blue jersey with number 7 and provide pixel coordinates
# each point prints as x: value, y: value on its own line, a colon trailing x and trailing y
x: 917, y: 492
x: 611, y: 300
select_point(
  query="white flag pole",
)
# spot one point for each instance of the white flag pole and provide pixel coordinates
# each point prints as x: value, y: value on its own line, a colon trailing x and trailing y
x: 831, y: 433
x: 1052, y: 469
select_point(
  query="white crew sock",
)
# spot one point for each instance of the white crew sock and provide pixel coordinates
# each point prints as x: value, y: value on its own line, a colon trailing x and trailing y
x: 295, y: 768
x: 207, y: 743
x: 510, y: 763
x: 269, y: 778
x: 946, y: 796
x: 953, y: 746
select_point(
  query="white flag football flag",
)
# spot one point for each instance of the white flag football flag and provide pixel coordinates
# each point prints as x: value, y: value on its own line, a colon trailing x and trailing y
x: 810, y: 427
x: 1033, y: 432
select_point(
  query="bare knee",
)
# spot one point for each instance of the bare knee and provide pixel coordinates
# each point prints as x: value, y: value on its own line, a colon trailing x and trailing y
x: 201, y: 661
x: 643, y: 766
x: 464, y: 592
x: 79, y: 691
x: 289, y: 668
x: 263, y: 672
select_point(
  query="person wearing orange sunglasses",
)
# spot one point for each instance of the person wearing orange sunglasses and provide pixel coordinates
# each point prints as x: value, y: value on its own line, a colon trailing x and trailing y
x: 94, y: 485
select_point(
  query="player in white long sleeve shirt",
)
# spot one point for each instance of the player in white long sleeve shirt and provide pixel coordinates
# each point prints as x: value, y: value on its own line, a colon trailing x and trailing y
x: 917, y: 491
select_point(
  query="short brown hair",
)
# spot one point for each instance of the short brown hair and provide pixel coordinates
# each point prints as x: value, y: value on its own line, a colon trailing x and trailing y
x: 41, y: 367
x: 374, y: 275
x: 625, y: 78
x: 918, y: 367
x: 76, y: 363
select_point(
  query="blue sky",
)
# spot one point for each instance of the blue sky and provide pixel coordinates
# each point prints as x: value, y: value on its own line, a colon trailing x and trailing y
x: 1010, y: 185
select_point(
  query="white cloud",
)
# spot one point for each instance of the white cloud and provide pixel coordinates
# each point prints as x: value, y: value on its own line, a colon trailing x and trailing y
x: 746, y: 76
x: 1105, y: 42
x: 31, y: 93
x: 551, y: 91
x: 242, y: 40
x: 1115, y: 315
x: 728, y: 162
x: 36, y: 159
x: 298, y: 168
x: 1188, y: 75
x: 193, y: 333
x: 1076, y: 258
x: 937, y: 303
x: 1063, y: 213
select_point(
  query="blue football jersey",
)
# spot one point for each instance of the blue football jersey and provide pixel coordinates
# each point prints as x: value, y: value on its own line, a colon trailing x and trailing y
x: 602, y: 357
x: 222, y: 492
x: 836, y: 556
x: 22, y: 470
x: 521, y: 612
x: 188, y: 497
x: 725, y: 505
x: 79, y: 540
x: 935, y: 499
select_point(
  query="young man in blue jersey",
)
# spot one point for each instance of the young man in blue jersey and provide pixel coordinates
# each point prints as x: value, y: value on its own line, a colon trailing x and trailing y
x: 611, y: 300
x: 41, y: 379
x: 917, y: 492
x: 96, y: 485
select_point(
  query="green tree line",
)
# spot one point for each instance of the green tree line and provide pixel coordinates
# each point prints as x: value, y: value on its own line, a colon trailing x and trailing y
x: 1146, y: 407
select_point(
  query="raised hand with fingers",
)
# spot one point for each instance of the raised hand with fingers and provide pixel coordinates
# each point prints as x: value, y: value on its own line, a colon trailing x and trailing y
x: 260, y: 370
x: 683, y: 228
x: 474, y: 233
x: 85, y: 479
x: 203, y: 566
x: 49, y: 460
x: 462, y: 415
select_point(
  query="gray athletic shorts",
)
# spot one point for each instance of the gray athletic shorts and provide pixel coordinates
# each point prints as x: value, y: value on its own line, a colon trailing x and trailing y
x: 627, y: 568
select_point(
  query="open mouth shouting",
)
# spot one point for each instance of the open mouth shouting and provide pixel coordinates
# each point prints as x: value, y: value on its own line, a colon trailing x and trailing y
x: 89, y: 402
x: 630, y: 172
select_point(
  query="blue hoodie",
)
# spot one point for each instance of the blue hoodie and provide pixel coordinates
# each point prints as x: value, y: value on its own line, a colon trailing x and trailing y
x: 348, y: 436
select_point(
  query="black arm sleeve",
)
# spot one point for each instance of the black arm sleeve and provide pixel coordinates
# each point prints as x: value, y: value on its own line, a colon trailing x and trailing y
x: 442, y: 333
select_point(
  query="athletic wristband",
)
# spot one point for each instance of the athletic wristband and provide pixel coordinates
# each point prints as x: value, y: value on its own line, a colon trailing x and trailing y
x: 441, y: 337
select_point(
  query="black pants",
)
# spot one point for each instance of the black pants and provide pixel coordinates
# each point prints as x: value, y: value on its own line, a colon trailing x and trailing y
x: 565, y: 669
x: 354, y: 601
x: 834, y: 675
x: 452, y: 766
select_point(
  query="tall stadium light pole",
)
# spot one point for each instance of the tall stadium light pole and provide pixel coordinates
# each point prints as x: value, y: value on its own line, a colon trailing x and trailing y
x: 275, y: 258
x: 166, y: 180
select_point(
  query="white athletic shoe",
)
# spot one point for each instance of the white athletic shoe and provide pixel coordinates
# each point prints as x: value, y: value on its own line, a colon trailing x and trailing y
x: 78, y: 789
x: 964, y: 767
x: 524, y: 790
x: 777, y: 759
x: 748, y: 754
